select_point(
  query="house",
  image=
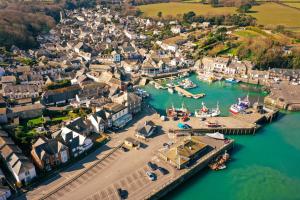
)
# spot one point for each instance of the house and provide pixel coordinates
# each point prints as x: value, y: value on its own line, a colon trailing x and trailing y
x: 3, y: 115
x: 100, y: 121
x: 145, y: 130
x: 176, y: 29
x: 49, y: 153
x: 118, y: 114
x: 5, y: 192
x: 76, y: 142
x: 20, y: 166
x: 28, y: 111
x: 8, y: 80
x: 80, y: 125
x: 21, y: 91
x: 150, y: 68
x: 60, y: 96
x: 132, y: 101
x: 131, y: 143
x: 184, y: 152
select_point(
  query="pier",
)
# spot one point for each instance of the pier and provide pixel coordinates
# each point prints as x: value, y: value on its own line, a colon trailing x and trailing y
x: 188, y: 94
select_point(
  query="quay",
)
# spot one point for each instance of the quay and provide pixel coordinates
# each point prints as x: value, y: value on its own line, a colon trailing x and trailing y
x: 188, y: 94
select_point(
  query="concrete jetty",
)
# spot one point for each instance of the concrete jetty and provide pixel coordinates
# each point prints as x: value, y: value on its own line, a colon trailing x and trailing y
x: 188, y: 94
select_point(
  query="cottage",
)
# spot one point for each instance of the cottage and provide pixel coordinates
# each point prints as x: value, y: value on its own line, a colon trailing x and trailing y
x: 48, y: 153
x: 19, y: 165
x: 21, y: 91
x: 145, y: 130
x: 60, y: 96
x: 28, y: 111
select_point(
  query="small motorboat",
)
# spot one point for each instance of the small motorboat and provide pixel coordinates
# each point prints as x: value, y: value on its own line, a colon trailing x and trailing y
x: 216, y: 135
x: 231, y: 80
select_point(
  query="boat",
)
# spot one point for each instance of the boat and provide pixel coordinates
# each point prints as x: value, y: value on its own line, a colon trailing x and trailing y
x: 171, y: 87
x: 241, y: 106
x: 231, y: 80
x: 187, y: 84
x: 212, y: 124
x: 204, y: 112
x: 197, y: 96
x: 219, y: 162
x: 178, y: 112
x: 170, y: 90
x: 216, y: 135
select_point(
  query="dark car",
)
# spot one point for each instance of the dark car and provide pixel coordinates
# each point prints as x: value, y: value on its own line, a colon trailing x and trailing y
x: 123, y: 194
x: 187, y: 126
x: 152, y: 166
x: 124, y: 149
x: 163, y: 170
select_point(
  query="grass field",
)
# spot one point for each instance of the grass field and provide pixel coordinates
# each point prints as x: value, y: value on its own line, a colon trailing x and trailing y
x: 295, y: 5
x: 266, y: 13
x: 174, y: 9
x: 274, y: 14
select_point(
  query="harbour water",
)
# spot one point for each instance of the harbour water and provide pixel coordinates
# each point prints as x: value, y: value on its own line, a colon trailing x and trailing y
x: 263, y: 167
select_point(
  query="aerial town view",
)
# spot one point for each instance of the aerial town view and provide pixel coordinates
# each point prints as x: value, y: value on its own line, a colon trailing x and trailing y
x: 149, y: 99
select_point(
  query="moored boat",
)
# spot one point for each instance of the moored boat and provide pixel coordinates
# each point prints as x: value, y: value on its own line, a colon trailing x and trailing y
x: 231, y: 80
x: 204, y: 112
x: 219, y: 162
x: 241, y: 106
x: 216, y: 135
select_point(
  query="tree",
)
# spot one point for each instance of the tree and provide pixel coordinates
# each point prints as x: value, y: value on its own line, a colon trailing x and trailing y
x: 244, y: 8
x: 188, y: 17
x: 159, y: 14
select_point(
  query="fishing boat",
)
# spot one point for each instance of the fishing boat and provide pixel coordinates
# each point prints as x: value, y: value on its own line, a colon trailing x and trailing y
x: 204, y: 112
x: 177, y: 112
x: 216, y: 135
x: 231, y: 80
x: 241, y: 106
x: 219, y: 162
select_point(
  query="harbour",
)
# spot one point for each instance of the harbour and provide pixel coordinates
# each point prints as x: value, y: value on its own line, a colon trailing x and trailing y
x: 261, y: 165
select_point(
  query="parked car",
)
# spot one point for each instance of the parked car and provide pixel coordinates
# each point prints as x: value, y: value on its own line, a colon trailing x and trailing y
x: 152, y: 166
x: 151, y: 175
x: 124, y: 149
x: 163, y: 170
x: 187, y: 126
x: 123, y: 194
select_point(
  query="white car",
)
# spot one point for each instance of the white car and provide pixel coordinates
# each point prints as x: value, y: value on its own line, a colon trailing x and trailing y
x: 151, y: 176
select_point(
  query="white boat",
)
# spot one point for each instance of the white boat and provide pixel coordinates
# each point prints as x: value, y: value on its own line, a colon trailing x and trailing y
x: 204, y: 112
x: 170, y: 90
x: 216, y: 135
x: 231, y: 80
x: 187, y: 84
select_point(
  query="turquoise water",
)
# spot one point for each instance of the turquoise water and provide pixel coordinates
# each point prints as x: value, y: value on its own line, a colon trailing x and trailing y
x: 263, y: 167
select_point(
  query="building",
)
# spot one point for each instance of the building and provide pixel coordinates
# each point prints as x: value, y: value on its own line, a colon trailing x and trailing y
x: 28, y: 111
x: 21, y: 91
x: 184, y: 152
x: 20, y: 166
x: 49, y: 153
x: 118, y: 114
x: 132, y: 101
x: 145, y: 130
x: 76, y: 142
x: 60, y: 96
